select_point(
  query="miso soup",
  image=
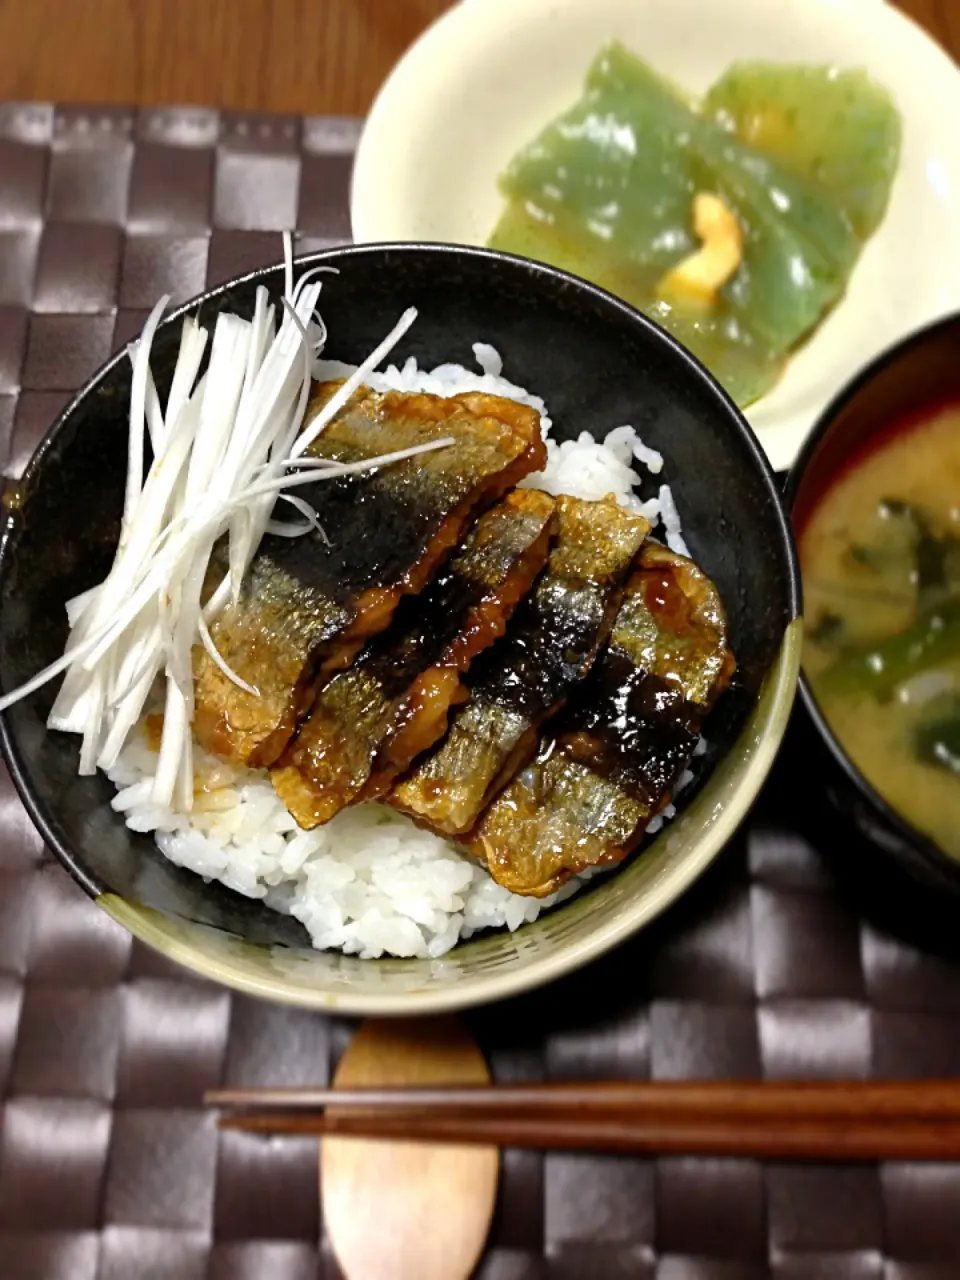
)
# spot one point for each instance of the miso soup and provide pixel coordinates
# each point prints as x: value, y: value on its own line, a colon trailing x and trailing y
x: 880, y: 558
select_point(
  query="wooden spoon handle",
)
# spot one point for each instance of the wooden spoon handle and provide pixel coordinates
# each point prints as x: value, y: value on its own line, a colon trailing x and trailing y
x: 397, y: 1210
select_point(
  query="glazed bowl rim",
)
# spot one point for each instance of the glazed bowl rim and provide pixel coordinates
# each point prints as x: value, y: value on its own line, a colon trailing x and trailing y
x: 771, y: 710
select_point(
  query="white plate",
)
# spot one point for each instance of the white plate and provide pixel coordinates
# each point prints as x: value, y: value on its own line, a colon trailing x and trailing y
x: 490, y: 73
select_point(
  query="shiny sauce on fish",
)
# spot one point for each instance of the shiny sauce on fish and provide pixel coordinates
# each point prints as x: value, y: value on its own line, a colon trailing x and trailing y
x: 611, y: 761
x: 369, y: 721
x: 548, y: 649
x: 308, y: 604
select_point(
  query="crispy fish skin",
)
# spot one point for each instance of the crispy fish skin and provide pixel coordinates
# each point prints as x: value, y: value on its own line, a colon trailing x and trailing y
x: 369, y: 721
x: 549, y: 647
x: 307, y: 605
x: 675, y: 627
x: 613, y: 758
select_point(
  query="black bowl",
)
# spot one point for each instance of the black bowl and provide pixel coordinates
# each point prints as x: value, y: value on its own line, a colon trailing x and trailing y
x: 920, y: 372
x: 598, y: 363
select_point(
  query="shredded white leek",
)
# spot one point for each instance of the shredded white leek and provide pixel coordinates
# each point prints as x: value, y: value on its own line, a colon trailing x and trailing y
x: 225, y: 447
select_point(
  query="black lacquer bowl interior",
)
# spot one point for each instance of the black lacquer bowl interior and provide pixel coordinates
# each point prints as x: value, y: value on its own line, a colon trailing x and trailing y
x: 598, y: 364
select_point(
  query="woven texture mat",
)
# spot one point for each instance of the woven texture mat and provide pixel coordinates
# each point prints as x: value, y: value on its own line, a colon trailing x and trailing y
x: 110, y: 1168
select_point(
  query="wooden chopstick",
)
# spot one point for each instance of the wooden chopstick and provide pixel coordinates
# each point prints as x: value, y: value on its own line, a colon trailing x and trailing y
x: 896, y: 1099
x: 813, y: 1140
x: 856, y: 1120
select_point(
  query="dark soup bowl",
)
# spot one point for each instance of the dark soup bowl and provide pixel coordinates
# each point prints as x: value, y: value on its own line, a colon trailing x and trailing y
x: 877, y: 528
x: 598, y: 364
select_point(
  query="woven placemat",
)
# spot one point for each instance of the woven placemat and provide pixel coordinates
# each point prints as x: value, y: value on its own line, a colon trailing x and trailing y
x: 110, y: 1168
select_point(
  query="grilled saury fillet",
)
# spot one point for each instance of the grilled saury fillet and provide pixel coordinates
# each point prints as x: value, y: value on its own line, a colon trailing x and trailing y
x: 548, y: 649
x: 369, y: 721
x: 308, y: 604
x: 609, y: 763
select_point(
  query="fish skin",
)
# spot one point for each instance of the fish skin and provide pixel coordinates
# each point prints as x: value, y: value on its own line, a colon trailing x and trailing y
x: 610, y: 763
x: 307, y: 605
x: 548, y: 649
x: 369, y: 721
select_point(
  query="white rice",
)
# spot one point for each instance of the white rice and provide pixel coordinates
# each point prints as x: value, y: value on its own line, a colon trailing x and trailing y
x: 370, y: 882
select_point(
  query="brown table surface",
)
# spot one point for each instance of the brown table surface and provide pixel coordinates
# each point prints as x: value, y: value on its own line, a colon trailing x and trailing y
x: 305, y: 56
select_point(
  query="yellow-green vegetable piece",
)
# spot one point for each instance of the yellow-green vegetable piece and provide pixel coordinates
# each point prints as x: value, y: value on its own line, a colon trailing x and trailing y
x: 606, y: 191
x: 798, y: 250
x: 836, y: 128
x: 612, y: 173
